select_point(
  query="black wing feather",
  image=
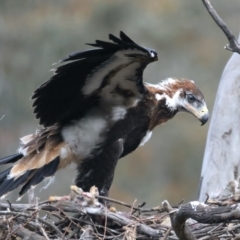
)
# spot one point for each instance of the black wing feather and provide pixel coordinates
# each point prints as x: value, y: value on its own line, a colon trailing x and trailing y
x: 106, y: 45
x: 84, y: 54
x: 116, y: 40
x: 11, y: 159
x: 125, y: 38
x: 60, y: 99
x: 57, y: 100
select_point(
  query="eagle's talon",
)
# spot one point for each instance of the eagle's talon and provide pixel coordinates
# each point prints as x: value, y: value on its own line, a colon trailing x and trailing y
x: 57, y: 198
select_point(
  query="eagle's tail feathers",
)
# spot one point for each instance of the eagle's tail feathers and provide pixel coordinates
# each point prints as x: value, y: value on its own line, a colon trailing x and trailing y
x: 8, y: 184
x: 46, y: 171
x: 4, y: 174
x: 29, y: 178
x: 11, y: 159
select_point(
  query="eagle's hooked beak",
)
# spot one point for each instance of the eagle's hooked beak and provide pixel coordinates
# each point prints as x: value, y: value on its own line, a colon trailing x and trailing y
x: 205, y: 116
x: 201, y: 114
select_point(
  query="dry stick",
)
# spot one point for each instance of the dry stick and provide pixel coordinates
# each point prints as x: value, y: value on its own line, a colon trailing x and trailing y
x: 142, y: 228
x: 131, y: 210
x: 42, y: 206
x: 158, y: 208
x: 66, y: 230
x: 29, y: 216
x: 43, y: 231
x: 167, y: 234
x: 22, y: 206
x: 202, y: 213
x: 23, y: 233
x: 178, y: 223
x: 87, y: 223
x: 70, y: 219
x: 70, y: 235
x: 118, y: 202
x: 21, y: 226
x: 215, y: 228
x: 87, y: 233
x: 112, y: 231
x: 105, y: 225
x: 67, y: 217
x: 45, y: 206
x: 233, y: 45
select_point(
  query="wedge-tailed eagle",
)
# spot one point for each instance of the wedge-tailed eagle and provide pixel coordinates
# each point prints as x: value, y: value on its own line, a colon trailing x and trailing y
x: 94, y: 110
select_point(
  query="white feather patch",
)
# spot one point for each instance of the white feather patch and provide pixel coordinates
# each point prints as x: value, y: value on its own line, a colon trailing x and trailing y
x: 84, y: 135
x: 64, y: 153
x: 175, y: 101
x: 118, y: 113
x: 121, y: 79
x: 158, y: 96
x: 23, y: 150
x: 95, y: 79
x: 146, y: 138
x: 163, y: 84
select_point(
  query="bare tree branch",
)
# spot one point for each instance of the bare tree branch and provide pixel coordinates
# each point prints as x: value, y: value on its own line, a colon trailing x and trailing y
x: 202, y: 213
x: 233, y: 45
x: 178, y: 223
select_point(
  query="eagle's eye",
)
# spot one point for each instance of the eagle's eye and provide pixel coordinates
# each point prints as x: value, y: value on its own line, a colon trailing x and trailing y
x: 190, y: 98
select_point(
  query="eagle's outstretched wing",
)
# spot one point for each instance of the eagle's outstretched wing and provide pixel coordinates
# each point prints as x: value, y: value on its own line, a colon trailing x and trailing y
x: 108, y: 73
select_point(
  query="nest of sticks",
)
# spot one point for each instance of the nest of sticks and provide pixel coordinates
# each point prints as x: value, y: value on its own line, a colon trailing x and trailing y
x: 86, y: 215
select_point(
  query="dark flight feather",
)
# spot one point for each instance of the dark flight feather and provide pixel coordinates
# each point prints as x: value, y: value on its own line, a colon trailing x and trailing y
x: 83, y: 54
x: 125, y: 38
x: 60, y: 99
x: 7, y: 185
x: 11, y: 159
x: 115, y: 39
x: 47, y: 170
x: 3, y: 175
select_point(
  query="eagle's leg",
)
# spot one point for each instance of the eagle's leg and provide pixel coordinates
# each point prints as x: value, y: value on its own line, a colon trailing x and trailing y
x: 98, y: 169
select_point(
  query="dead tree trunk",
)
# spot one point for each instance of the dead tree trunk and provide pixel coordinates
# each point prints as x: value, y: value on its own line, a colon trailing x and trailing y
x: 221, y: 162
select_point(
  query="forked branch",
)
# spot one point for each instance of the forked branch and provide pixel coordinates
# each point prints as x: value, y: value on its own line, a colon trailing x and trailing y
x: 233, y: 44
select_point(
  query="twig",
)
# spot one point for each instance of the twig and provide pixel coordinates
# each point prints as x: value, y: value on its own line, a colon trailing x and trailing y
x: 67, y: 229
x: 158, y: 208
x: 29, y: 216
x: 118, y: 202
x: 105, y: 225
x: 215, y: 228
x: 36, y: 207
x: 131, y: 210
x: 20, y: 226
x: 233, y: 44
x: 142, y: 228
x: 26, y: 234
x: 87, y: 233
x: 167, y: 234
x: 43, y: 231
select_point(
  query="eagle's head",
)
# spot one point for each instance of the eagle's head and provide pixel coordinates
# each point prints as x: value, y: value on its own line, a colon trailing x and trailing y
x: 183, y: 96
